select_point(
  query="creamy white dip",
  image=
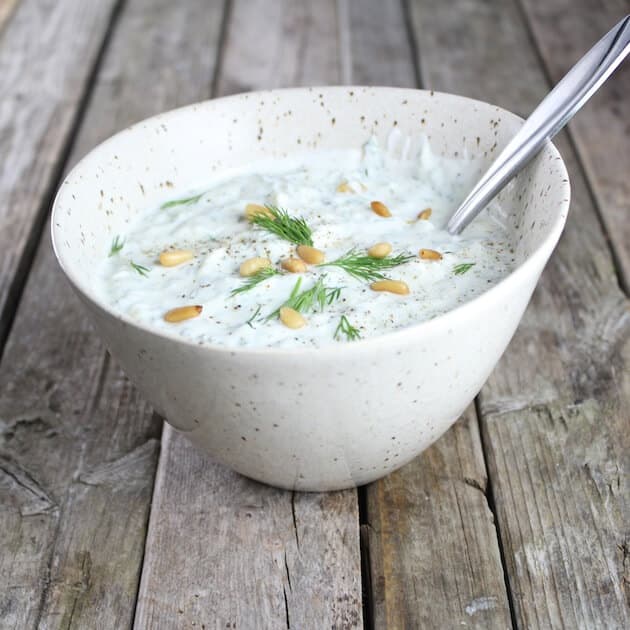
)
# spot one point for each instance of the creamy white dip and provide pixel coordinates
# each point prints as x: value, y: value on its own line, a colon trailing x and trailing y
x: 213, y: 226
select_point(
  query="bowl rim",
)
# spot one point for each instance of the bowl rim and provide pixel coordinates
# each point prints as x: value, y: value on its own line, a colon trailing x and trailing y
x: 538, y: 258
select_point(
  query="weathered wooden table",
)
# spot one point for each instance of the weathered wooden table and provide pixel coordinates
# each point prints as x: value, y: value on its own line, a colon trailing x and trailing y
x: 519, y: 516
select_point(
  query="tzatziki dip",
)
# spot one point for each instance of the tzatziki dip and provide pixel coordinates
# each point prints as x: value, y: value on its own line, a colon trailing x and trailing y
x: 327, y: 247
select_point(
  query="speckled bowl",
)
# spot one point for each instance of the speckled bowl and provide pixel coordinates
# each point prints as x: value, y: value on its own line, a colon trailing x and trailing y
x: 307, y: 419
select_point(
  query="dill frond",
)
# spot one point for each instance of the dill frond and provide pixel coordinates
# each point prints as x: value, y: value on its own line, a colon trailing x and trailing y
x: 364, y: 267
x: 260, y: 276
x: 186, y: 201
x: 253, y: 317
x: 143, y: 271
x: 117, y: 245
x: 292, y: 229
x: 347, y: 329
x: 318, y: 295
x: 462, y: 268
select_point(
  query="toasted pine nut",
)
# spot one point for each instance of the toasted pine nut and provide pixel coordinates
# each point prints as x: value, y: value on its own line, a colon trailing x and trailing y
x: 182, y: 313
x: 293, y: 265
x: 254, y: 209
x: 380, y: 250
x: 310, y: 255
x: 391, y: 286
x: 253, y: 265
x: 425, y: 214
x: 381, y: 209
x: 173, y: 257
x: 345, y: 187
x: 429, y: 254
x: 291, y: 318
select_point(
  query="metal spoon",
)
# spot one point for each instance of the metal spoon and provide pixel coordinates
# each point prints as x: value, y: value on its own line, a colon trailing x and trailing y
x: 553, y: 113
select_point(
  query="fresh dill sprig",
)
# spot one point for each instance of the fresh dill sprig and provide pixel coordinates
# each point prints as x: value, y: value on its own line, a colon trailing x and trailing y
x: 282, y: 224
x: 117, y: 245
x: 462, y: 268
x: 253, y: 317
x: 143, y: 271
x: 186, y: 201
x: 318, y: 295
x: 294, y: 293
x: 260, y: 276
x: 347, y: 329
x: 364, y: 267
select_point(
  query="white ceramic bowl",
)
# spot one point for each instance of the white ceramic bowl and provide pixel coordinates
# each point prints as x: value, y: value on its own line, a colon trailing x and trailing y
x: 308, y: 419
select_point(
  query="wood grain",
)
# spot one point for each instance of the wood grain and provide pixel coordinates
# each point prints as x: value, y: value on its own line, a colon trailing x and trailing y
x: 381, y: 55
x: 42, y: 84
x: 433, y: 545
x: 223, y: 551
x: 227, y: 552
x: 563, y: 31
x: 78, y: 447
x: 431, y: 542
x: 555, y: 411
x: 279, y: 44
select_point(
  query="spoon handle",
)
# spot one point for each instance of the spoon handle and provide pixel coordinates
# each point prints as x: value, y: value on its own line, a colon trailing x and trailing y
x: 553, y: 113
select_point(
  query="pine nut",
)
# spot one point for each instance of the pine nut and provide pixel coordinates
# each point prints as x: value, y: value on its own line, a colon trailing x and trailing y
x: 253, y: 209
x: 429, y: 254
x: 391, y: 286
x: 381, y: 209
x: 380, y: 250
x: 182, y: 313
x: 291, y: 318
x: 293, y: 265
x: 174, y: 257
x: 310, y: 255
x: 345, y: 187
x: 253, y: 265
x: 425, y: 214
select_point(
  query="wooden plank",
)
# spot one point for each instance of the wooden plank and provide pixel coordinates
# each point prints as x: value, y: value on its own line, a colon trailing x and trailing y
x: 554, y: 412
x: 432, y: 545
x: 42, y: 84
x: 78, y: 447
x: 563, y: 31
x: 566, y: 508
x: 253, y: 556
x: 224, y: 551
x: 380, y: 56
x: 295, y: 43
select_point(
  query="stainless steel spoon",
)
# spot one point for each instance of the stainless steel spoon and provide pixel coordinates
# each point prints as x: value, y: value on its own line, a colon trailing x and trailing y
x: 553, y: 113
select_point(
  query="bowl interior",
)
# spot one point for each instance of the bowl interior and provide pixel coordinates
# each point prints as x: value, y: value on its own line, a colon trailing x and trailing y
x: 184, y: 148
